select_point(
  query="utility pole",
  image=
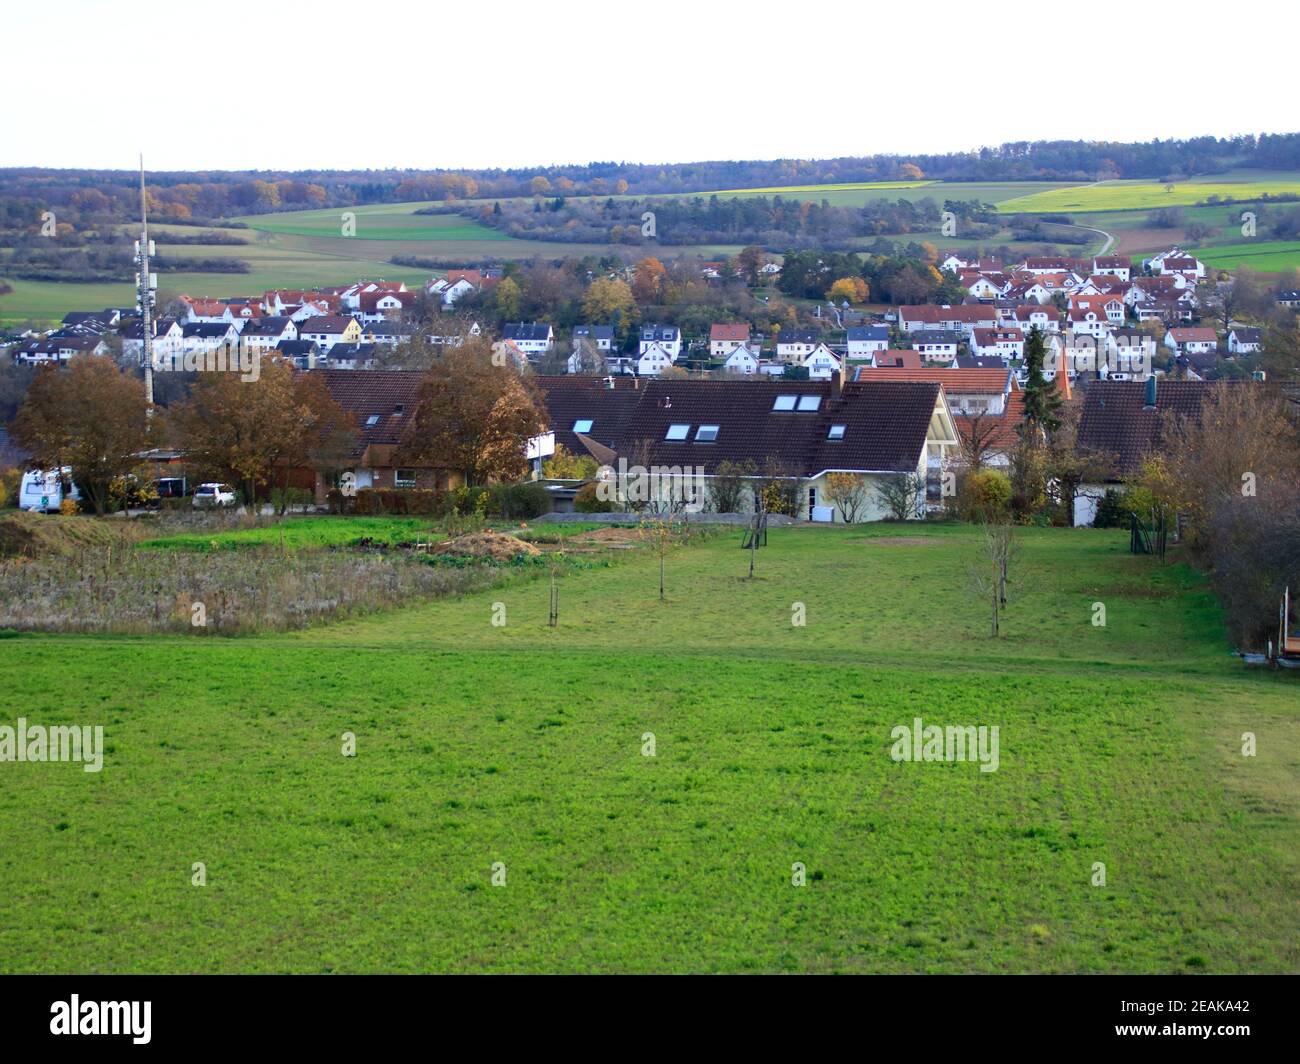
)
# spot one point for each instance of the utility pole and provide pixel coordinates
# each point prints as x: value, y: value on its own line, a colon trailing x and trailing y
x: 146, y: 284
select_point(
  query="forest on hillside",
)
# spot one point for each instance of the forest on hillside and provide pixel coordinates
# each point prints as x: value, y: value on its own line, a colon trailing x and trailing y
x: 200, y: 197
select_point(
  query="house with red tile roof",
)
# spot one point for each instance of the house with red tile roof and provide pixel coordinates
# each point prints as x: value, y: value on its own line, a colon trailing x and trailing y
x: 725, y: 338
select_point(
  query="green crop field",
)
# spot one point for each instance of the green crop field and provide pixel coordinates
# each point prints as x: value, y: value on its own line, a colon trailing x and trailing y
x: 1266, y: 256
x: 521, y: 746
x: 1150, y: 195
x: 856, y: 195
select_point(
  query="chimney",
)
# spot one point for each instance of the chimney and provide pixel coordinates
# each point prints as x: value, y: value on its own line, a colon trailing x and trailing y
x: 842, y: 377
x: 1150, y: 403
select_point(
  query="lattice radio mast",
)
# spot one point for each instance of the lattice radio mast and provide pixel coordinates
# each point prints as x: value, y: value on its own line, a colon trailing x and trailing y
x: 146, y: 284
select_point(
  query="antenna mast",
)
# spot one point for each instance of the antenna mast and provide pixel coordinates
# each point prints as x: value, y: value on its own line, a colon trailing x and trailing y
x: 145, y: 285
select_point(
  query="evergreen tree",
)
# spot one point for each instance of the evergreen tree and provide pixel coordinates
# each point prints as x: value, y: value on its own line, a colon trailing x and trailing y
x: 1042, y: 400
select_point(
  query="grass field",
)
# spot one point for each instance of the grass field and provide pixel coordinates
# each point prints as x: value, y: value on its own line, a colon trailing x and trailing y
x: 522, y: 745
x: 1266, y: 256
x: 1150, y: 195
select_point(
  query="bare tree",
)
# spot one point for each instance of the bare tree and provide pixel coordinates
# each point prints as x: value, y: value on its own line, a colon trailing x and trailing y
x: 847, y: 492
x: 901, y: 495
x: 989, y: 577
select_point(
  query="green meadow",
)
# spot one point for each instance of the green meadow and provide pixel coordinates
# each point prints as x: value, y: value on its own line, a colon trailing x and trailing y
x: 521, y: 747
x: 1150, y: 195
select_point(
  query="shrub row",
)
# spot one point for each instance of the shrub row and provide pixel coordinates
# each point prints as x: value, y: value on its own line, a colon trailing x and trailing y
x: 521, y: 501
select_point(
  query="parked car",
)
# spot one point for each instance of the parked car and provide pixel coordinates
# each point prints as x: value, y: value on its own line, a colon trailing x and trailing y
x: 171, y: 487
x: 43, y: 492
x: 213, y: 495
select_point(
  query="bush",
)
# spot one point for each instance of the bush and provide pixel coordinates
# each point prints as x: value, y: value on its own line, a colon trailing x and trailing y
x: 285, y: 498
x: 68, y: 508
x: 1111, y: 511
x: 387, y: 501
x: 986, y: 493
x: 524, y: 500
x: 588, y: 502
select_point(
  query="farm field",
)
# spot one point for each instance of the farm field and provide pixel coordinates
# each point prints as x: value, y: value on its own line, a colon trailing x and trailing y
x: 1266, y: 256
x: 522, y: 745
x: 1150, y: 195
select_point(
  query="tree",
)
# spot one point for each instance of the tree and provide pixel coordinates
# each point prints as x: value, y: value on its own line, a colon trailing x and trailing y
x: 978, y: 442
x: 90, y: 416
x: 901, y: 494
x: 910, y: 172
x: 749, y: 263
x: 648, y: 280
x: 988, y: 579
x: 1042, y: 400
x: 729, y: 485
x: 850, y: 290
x: 506, y: 298
x: 564, y: 465
x: 255, y: 433
x: 608, y: 300
x: 474, y: 417
x: 848, y: 493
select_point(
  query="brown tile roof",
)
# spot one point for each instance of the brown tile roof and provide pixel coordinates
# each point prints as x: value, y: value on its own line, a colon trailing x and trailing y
x: 886, y: 422
x: 965, y: 381
x: 326, y: 323
x: 1116, y: 420
x: 388, y: 395
x: 730, y: 332
x: 572, y: 398
x: 932, y: 313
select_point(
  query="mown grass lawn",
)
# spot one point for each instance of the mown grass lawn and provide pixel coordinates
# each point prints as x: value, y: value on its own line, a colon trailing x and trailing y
x: 522, y: 745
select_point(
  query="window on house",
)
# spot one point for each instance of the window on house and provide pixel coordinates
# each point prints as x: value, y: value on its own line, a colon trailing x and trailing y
x: 809, y: 402
x: 405, y: 478
x: 677, y: 432
x: 583, y: 425
x: 784, y: 402
x: 706, y: 434
x: 836, y: 433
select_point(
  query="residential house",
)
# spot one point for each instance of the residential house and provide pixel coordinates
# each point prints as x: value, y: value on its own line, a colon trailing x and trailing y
x: 1189, y: 340
x: 822, y: 363
x: 666, y: 337
x: 331, y: 329
x: 1114, y: 265
x: 167, y: 341
x: 938, y: 345
x: 1004, y: 343
x: 56, y: 349
x: 794, y: 345
x: 202, y: 338
x: 741, y: 360
x: 725, y: 338
x: 864, y: 340
x: 809, y: 428
x: 653, y: 360
x: 268, y: 332
x: 1243, y: 341
x: 533, y: 338
x: 1123, y: 423
x: 931, y: 316
x: 600, y: 336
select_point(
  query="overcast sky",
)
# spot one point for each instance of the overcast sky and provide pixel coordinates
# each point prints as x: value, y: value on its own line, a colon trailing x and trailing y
x: 326, y: 85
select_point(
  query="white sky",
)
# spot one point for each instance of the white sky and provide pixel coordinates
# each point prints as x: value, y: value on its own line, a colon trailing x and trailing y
x: 470, y: 83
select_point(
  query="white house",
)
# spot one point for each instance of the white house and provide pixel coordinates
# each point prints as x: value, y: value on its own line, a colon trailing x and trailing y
x: 726, y: 337
x: 794, y: 345
x: 864, y: 340
x: 1244, y: 341
x: 1113, y: 265
x: 1005, y: 344
x: 666, y: 337
x: 653, y: 360
x: 822, y: 364
x: 532, y: 338
x: 741, y: 360
x: 1191, y: 340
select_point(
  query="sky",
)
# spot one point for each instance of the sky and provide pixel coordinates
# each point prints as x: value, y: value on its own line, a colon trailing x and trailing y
x: 329, y: 85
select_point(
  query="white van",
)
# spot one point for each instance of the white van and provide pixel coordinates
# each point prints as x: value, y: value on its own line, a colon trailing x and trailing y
x: 43, y: 492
